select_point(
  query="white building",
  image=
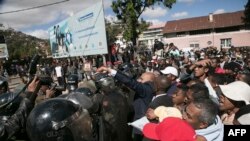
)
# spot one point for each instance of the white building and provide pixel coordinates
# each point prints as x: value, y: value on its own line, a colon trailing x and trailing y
x: 218, y: 30
x: 153, y: 32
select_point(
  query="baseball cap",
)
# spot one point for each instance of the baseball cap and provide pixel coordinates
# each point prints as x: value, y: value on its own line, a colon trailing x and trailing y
x: 163, y: 112
x: 170, y: 129
x: 237, y: 91
x: 170, y: 70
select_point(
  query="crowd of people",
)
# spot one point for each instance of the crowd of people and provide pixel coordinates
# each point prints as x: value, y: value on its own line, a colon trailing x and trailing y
x: 184, y: 95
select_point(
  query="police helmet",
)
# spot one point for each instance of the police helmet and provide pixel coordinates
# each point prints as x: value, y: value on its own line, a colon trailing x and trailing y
x: 59, y: 119
x: 85, y: 91
x: 9, y: 103
x: 72, y: 82
x: 83, y: 99
x: 125, y: 66
x: 104, y: 81
x: 80, y: 99
x: 127, y: 69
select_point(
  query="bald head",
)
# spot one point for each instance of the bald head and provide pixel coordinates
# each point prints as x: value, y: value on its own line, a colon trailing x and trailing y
x: 162, y: 83
x: 147, y: 76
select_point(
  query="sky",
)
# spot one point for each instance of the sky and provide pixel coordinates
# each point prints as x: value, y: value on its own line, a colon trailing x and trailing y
x: 36, y: 22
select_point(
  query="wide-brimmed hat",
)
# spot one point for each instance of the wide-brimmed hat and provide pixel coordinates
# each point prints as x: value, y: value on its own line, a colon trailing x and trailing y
x: 163, y: 112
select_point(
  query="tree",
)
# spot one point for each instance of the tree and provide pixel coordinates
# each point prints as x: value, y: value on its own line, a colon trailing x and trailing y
x: 21, y: 45
x: 246, y: 19
x: 129, y: 11
x: 112, y: 29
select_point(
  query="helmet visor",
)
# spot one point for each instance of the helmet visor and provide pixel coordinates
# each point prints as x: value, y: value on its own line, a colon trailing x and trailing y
x: 81, y: 127
x: 79, y: 124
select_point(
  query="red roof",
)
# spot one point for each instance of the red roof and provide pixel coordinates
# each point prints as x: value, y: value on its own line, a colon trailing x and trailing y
x: 156, y: 26
x: 198, y: 23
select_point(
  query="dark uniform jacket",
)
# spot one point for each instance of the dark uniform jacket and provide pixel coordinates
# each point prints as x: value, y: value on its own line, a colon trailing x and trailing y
x: 16, y: 121
x: 144, y: 93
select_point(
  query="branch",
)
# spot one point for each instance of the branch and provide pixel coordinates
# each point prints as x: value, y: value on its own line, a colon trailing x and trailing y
x: 141, y: 12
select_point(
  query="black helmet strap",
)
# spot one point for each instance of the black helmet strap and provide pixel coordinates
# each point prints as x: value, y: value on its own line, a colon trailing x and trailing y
x: 67, y: 121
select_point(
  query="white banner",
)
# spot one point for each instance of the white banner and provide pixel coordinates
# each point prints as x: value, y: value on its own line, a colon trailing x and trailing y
x: 80, y: 35
x: 3, y: 48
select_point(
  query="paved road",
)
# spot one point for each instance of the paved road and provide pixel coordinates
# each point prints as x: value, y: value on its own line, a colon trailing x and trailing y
x: 16, y: 80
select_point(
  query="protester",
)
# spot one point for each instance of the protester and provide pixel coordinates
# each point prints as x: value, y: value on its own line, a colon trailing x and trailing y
x: 179, y: 97
x: 160, y: 99
x: 233, y: 96
x: 171, y: 129
x: 242, y: 116
x: 202, y: 115
x: 172, y: 74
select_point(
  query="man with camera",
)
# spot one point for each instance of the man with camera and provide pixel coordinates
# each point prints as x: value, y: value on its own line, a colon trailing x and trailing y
x: 17, y: 121
x: 47, y: 89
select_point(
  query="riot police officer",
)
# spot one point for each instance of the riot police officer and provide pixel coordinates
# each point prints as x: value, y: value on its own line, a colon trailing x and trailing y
x: 17, y: 120
x: 72, y: 82
x: 59, y: 119
x: 114, y: 109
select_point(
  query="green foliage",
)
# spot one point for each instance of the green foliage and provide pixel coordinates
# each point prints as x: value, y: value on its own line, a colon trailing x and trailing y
x: 21, y: 45
x: 129, y: 11
x: 246, y: 19
x: 112, y: 31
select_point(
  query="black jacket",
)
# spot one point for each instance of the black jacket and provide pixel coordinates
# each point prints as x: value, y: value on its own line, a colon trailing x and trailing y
x: 16, y: 121
x: 144, y: 93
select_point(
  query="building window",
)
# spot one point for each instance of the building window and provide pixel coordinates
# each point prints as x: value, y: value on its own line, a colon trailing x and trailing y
x: 225, y: 42
x: 198, y: 32
x: 227, y: 29
x: 180, y: 34
x: 195, y: 45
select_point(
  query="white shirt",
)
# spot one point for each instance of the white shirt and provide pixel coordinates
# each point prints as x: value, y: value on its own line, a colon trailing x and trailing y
x: 158, y: 96
x: 214, y: 132
x: 58, y: 71
x: 211, y: 91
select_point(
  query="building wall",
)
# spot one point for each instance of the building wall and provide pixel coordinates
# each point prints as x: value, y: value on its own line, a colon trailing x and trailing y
x: 148, y: 36
x: 239, y: 38
x: 149, y: 41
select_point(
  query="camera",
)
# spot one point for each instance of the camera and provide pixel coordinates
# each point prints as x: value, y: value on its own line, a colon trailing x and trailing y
x: 45, y: 80
x: 53, y: 86
x: 48, y: 81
